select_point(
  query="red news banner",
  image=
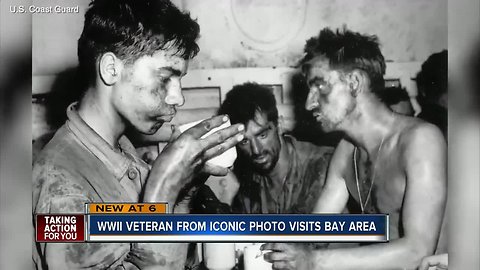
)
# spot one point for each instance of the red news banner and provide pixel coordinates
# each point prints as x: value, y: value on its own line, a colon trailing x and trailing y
x: 60, y: 228
x: 71, y: 227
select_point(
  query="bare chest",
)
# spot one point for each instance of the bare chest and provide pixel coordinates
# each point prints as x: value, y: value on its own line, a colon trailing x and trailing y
x: 377, y: 187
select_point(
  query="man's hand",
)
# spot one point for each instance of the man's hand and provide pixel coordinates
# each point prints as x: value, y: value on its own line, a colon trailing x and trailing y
x: 183, y: 158
x: 288, y: 256
x: 145, y: 259
x: 434, y: 262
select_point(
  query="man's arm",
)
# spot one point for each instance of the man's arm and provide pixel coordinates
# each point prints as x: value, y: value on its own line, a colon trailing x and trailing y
x: 182, y: 159
x: 55, y: 192
x: 334, y: 196
x: 77, y: 255
x: 424, y: 156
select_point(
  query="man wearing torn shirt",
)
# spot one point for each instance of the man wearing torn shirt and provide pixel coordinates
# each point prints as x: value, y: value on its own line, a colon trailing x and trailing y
x: 133, y: 54
x: 277, y: 173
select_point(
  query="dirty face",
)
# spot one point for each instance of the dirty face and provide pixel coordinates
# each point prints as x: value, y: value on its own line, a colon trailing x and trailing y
x: 329, y: 99
x: 149, y: 90
x: 261, y: 145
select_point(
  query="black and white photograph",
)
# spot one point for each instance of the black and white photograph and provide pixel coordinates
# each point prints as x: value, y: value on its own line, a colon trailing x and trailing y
x: 248, y: 107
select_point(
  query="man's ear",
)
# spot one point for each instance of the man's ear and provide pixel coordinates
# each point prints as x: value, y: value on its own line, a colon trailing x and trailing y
x: 357, y: 82
x: 109, y: 68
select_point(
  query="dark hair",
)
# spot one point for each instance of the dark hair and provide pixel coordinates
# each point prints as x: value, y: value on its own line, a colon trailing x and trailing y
x: 432, y: 80
x: 393, y: 95
x: 134, y: 28
x: 347, y: 50
x: 243, y: 101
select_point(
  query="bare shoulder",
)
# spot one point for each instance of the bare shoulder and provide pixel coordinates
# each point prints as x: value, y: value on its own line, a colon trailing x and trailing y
x: 416, y: 132
x: 419, y: 140
x: 344, y: 147
x: 341, y: 156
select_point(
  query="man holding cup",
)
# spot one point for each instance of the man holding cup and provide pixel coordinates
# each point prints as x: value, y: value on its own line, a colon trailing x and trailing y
x: 133, y: 54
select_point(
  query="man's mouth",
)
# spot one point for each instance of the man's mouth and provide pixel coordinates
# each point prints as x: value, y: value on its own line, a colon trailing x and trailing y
x: 260, y: 159
x: 166, y: 118
x: 317, y: 116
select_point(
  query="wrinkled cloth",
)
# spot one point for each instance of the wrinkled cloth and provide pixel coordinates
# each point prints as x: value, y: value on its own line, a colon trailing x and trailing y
x: 77, y: 166
x: 301, y: 189
x: 206, y: 202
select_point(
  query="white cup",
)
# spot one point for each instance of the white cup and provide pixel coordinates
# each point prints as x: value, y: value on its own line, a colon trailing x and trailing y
x: 253, y: 258
x: 224, y: 160
x: 219, y: 256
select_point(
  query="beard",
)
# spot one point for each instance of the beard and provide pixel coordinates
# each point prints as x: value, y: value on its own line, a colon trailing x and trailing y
x: 267, y: 166
x: 271, y: 161
x: 327, y: 125
x: 331, y: 117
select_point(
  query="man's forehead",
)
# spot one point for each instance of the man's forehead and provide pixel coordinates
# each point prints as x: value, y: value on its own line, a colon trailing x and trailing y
x: 319, y: 67
x: 261, y: 117
x: 164, y: 59
x: 259, y: 121
x: 169, y: 58
x: 318, y: 63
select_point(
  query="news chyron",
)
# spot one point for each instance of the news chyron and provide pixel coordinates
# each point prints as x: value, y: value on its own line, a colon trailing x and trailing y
x: 152, y: 222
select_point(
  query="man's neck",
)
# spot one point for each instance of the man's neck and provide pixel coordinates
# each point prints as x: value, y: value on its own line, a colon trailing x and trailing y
x: 280, y: 171
x: 369, y: 124
x: 99, y: 114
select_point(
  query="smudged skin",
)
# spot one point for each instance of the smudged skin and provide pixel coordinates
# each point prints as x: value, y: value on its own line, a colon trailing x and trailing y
x: 410, y: 175
x: 262, y: 144
x: 176, y: 166
x: 149, y: 91
x: 143, y: 95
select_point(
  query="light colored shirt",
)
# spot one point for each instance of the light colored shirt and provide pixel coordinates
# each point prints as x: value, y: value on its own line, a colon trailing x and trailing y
x: 77, y: 166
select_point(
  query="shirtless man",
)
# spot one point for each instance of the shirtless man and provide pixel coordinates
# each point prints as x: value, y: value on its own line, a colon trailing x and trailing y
x: 387, y: 162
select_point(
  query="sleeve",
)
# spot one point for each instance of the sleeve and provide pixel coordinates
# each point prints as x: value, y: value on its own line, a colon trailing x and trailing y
x: 316, y: 174
x: 56, y: 192
x: 59, y: 192
x: 206, y: 202
x: 238, y: 205
x: 245, y: 202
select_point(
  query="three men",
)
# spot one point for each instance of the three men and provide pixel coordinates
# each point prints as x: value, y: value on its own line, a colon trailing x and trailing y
x: 387, y: 162
x: 134, y: 54
x: 277, y: 173
x: 135, y: 59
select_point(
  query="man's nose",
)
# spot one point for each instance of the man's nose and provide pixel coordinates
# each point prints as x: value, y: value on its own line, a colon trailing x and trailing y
x: 256, y: 147
x: 174, y: 93
x: 312, y: 99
